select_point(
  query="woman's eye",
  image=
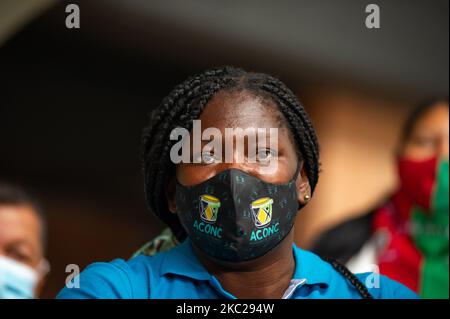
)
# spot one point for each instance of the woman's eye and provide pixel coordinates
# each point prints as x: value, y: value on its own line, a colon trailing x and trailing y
x: 204, y: 158
x: 265, y: 155
x: 424, y: 141
x: 208, y: 158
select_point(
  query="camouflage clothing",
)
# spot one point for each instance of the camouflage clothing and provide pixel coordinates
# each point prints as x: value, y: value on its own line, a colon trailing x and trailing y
x: 163, y: 242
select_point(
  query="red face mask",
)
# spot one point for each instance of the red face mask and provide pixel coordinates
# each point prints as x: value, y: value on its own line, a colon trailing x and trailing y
x: 416, y: 221
x: 417, y: 179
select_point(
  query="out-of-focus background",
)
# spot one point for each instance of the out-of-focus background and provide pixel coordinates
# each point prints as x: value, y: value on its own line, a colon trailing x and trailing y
x: 73, y: 102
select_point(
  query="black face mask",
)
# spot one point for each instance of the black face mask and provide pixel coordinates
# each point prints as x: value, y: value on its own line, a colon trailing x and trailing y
x: 234, y: 216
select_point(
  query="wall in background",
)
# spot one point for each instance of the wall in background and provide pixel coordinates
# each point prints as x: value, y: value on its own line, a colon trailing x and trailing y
x: 358, y: 133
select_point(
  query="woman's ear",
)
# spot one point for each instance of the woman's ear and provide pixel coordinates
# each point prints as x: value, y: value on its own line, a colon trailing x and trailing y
x: 303, y: 187
x: 169, y: 190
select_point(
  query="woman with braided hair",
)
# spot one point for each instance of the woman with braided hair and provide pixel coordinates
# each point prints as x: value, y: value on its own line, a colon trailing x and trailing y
x: 233, y: 219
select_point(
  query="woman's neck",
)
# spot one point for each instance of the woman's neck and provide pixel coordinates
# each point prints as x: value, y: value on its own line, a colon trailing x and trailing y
x: 265, y: 277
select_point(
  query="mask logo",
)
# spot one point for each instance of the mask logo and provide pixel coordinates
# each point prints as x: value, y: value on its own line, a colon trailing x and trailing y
x: 262, y: 211
x: 209, y: 208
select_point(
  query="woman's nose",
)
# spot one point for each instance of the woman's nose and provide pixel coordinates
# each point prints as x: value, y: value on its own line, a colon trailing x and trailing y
x: 245, y: 167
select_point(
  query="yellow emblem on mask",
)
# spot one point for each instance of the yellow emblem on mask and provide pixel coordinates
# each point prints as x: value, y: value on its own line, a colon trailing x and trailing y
x: 209, y: 208
x: 262, y: 211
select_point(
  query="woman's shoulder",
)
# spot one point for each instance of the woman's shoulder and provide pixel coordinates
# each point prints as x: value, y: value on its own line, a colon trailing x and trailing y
x: 322, y: 273
x: 119, y: 278
x: 383, y: 287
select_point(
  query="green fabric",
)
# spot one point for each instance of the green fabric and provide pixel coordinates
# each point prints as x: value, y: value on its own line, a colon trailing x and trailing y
x: 163, y: 242
x: 434, y: 280
x: 430, y: 233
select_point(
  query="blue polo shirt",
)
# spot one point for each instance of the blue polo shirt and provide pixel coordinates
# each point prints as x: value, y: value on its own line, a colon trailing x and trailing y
x: 178, y: 273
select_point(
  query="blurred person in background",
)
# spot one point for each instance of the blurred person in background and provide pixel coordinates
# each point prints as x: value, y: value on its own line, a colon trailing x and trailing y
x: 22, y: 239
x: 407, y: 236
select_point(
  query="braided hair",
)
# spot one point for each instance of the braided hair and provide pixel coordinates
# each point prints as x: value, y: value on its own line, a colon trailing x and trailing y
x: 344, y: 271
x: 186, y: 102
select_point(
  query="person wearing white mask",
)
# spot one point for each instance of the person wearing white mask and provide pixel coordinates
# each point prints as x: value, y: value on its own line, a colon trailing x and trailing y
x: 22, y: 239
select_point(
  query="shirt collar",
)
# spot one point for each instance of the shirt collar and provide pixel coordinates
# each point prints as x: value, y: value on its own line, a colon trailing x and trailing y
x: 181, y: 260
x: 311, y: 267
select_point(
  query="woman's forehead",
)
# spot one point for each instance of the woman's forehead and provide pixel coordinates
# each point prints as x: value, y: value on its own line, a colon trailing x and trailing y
x: 240, y: 109
x: 434, y: 120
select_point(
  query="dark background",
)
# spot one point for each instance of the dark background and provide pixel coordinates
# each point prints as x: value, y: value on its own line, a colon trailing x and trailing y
x: 73, y: 102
